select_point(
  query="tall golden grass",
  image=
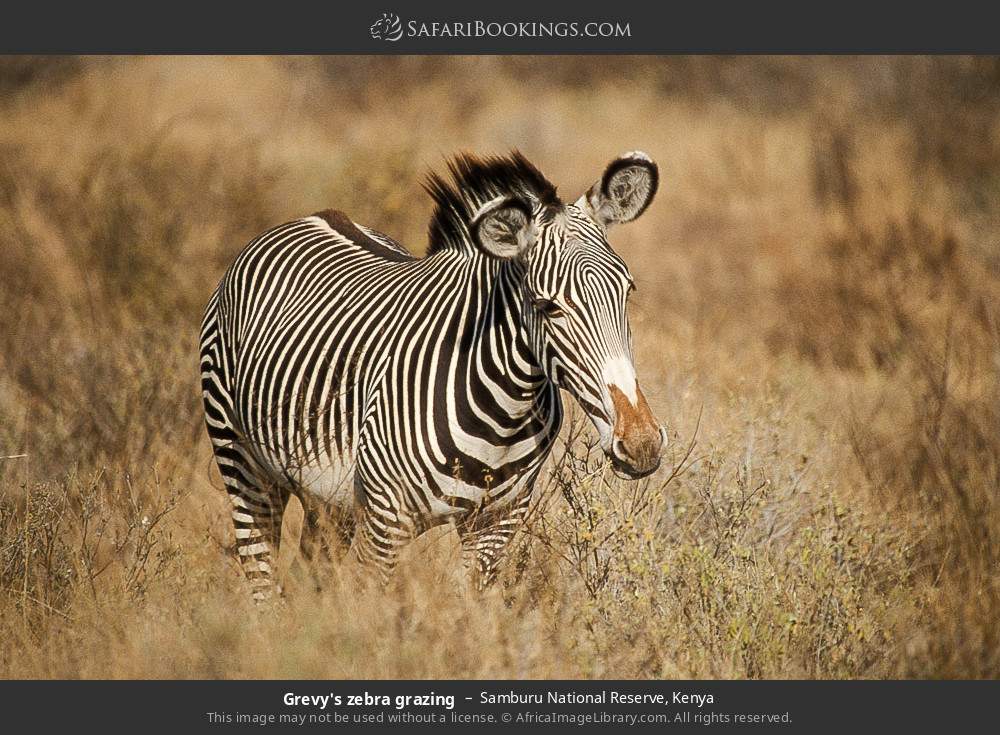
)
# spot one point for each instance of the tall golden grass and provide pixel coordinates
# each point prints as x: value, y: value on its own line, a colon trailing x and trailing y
x: 816, y: 321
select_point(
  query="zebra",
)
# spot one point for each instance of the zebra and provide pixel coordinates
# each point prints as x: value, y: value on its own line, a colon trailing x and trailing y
x: 392, y: 393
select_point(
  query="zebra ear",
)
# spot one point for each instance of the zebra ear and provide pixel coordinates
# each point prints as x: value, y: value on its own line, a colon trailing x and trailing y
x: 625, y: 190
x: 503, y: 227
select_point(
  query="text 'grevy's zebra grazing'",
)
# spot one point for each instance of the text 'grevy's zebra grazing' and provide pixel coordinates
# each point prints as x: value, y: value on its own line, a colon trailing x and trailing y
x: 392, y: 393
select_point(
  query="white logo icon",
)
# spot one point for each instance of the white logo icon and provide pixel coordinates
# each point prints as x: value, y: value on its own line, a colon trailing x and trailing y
x: 387, y: 28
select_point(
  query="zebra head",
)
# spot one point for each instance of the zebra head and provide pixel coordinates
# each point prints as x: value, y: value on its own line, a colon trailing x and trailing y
x: 575, y: 295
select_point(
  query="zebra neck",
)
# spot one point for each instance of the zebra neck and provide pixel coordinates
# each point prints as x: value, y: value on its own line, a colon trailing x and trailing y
x: 494, y: 413
x: 499, y: 350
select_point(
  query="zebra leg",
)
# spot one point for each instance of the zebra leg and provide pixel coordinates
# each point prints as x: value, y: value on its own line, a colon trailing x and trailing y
x: 485, y: 536
x: 257, y: 517
x: 382, y: 533
x: 327, y: 531
x: 313, y: 539
x: 258, y: 509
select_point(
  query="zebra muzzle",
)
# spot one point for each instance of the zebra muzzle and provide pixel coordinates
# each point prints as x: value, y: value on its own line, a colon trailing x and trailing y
x: 638, y: 439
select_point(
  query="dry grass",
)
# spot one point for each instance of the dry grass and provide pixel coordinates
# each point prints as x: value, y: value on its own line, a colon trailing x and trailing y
x: 817, y: 322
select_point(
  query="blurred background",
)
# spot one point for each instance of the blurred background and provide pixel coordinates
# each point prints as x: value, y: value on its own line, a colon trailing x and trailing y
x: 816, y: 323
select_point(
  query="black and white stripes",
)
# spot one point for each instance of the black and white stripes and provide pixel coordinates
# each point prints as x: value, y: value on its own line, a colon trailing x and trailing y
x: 392, y: 394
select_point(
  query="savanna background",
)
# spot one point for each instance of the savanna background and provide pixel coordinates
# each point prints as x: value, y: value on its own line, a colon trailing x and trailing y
x: 816, y: 323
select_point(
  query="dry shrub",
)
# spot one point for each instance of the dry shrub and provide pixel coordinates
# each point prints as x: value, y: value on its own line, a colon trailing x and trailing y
x: 941, y: 468
x: 73, y: 546
x: 24, y: 72
x: 720, y: 568
x: 914, y: 303
x: 107, y: 276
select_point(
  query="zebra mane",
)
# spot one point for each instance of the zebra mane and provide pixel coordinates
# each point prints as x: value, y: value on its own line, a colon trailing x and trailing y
x: 475, y: 181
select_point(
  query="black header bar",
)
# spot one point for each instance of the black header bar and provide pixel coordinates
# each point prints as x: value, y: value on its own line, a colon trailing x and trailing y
x: 510, y: 27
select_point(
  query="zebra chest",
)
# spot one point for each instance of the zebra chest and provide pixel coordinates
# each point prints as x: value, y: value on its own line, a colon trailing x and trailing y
x: 471, y: 480
x: 459, y: 488
x: 433, y: 442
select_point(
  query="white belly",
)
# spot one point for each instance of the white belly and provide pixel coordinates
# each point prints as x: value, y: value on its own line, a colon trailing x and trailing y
x: 332, y: 482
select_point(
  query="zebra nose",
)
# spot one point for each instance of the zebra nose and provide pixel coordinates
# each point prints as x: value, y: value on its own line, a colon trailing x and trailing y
x: 639, y: 455
x: 619, y: 452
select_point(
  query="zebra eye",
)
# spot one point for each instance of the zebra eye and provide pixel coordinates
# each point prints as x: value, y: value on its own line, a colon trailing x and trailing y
x: 549, y: 308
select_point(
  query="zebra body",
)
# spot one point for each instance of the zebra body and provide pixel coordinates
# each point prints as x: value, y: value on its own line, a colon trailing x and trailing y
x: 392, y: 393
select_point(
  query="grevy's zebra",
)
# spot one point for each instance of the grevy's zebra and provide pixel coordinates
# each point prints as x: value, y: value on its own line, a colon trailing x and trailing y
x: 393, y: 393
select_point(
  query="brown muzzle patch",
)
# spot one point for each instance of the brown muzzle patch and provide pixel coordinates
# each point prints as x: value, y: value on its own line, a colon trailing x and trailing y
x: 636, y: 429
